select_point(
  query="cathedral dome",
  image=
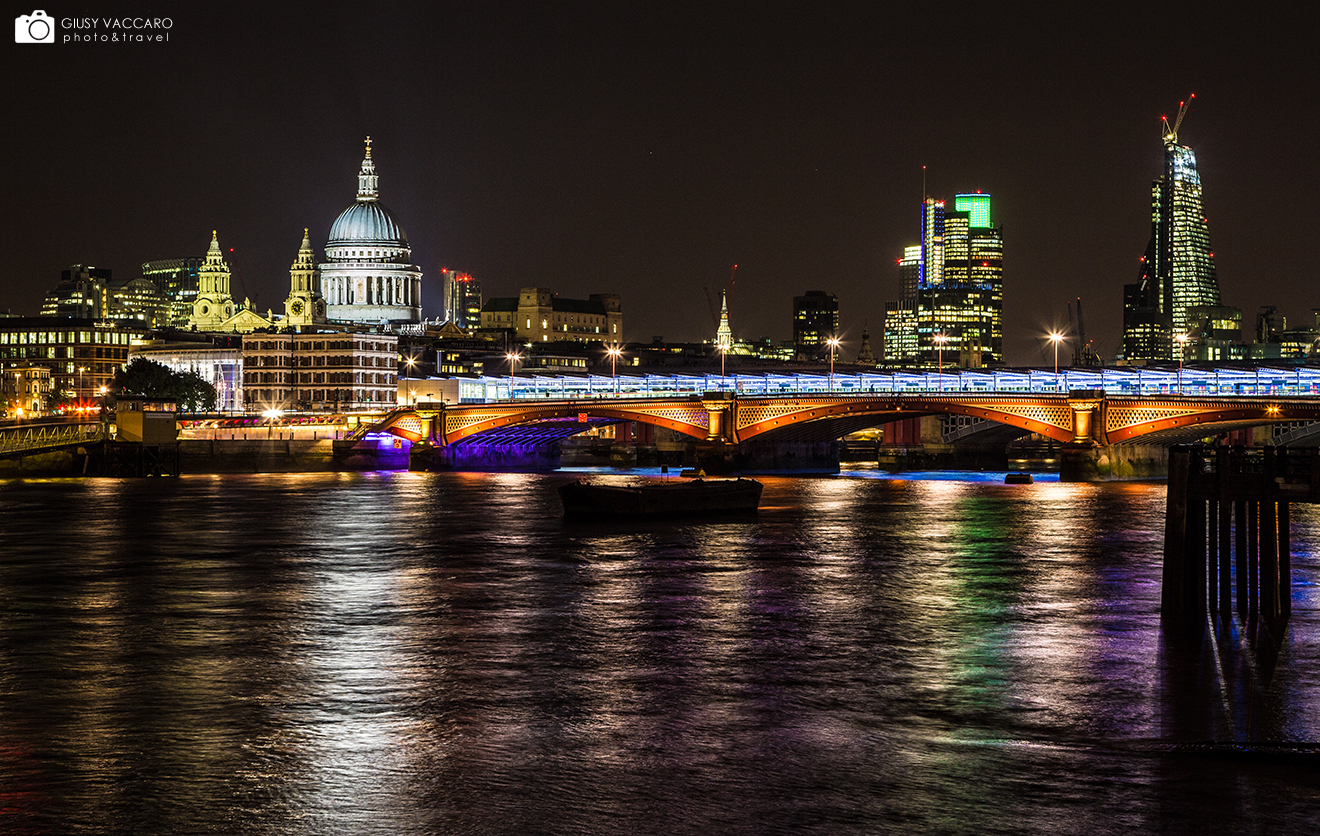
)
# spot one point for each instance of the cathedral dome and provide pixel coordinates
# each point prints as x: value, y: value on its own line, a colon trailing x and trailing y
x: 367, y: 222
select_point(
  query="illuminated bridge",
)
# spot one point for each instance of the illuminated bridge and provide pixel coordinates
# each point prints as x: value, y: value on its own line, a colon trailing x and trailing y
x: 1090, y: 412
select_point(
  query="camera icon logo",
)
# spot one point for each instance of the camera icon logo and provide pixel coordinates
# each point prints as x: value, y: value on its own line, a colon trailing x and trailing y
x: 36, y: 28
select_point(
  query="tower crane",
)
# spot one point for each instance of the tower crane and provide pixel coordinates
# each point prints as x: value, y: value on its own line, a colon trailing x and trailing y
x: 1171, y: 133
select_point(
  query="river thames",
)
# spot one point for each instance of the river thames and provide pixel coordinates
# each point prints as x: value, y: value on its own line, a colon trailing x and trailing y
x: 417, y: 653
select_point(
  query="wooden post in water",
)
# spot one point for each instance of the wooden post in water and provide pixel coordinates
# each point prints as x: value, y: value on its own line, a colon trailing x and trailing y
x: 1172, y: 603
x: 1223, y: 467
x: 1232, y: 518
x: 1269, y: 543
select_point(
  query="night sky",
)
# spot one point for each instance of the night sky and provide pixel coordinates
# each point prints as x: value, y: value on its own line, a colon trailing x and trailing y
x: 645, y: 148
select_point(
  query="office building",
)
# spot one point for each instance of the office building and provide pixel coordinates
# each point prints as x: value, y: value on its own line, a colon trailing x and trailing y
x: 176, y: 279
x: 82, y: 354
x: 81, y: 294
x: 951, y: 289
x: 462, y: 303
x: 815, y: 320
x: 1178, y: 269
x: 320, y: 371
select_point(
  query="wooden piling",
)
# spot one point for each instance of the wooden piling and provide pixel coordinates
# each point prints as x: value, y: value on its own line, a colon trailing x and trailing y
x: 1229, y: 515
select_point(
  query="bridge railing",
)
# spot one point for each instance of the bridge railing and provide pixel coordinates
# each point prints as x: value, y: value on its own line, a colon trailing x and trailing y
x: 1292, y: 381
x: 37, y: 437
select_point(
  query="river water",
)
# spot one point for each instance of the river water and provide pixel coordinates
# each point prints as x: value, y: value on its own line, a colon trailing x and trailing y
x: 409, y: 653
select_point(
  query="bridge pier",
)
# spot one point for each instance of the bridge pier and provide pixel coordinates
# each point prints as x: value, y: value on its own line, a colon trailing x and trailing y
x: 1088, y: 462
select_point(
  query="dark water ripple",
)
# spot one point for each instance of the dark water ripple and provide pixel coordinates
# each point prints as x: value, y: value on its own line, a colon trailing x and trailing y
x: 439, y: 653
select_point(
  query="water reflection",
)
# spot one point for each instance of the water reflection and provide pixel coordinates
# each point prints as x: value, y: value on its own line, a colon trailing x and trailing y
x: 434, y: 653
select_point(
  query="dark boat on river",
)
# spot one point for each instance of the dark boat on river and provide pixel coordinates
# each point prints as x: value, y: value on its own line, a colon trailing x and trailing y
x: 588, y: 501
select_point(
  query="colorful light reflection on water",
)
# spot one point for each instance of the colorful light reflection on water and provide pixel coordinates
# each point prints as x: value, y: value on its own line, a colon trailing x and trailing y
x: 440, y: 653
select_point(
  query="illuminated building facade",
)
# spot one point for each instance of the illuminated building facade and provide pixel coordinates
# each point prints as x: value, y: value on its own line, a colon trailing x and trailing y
x: 815, y: 320
x: 320, y: 371
x: 82, y: 354
x: 1178, y: 269
x: 304, y: 306
x: 138, y: 299
x: 366, y: 277
x: 25, y: 391
x: 462, y: 300
x: 82, y: 293
x: 176, y: 279
x: 213, y: 304
x: 952, y: 289
x: 217, y: 360
x: 538, y: 315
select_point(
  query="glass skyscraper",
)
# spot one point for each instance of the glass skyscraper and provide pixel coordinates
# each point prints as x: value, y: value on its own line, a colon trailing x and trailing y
x: 952, y: 289
x: 1178, y: 269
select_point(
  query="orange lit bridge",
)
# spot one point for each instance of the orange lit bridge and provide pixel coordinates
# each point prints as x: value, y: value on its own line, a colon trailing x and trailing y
x: 801, y: 431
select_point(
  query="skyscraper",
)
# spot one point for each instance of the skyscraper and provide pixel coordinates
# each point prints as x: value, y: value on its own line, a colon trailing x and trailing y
x: 815, y: 320
x: 1178, y: 269
x: 956, y: 300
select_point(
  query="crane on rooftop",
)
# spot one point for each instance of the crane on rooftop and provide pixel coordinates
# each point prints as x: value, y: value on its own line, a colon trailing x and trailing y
x: 1171, y: 133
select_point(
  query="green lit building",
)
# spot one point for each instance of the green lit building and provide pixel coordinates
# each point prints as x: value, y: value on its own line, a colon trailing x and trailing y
x: 951, y: 310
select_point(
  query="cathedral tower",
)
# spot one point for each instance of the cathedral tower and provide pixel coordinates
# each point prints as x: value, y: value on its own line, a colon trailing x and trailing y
x: 213, y: 305
x: 305, y: 306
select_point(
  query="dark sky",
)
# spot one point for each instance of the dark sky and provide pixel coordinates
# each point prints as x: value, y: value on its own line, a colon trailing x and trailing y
x: 644, y: 148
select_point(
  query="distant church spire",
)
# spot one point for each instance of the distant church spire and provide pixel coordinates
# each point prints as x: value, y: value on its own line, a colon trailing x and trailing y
x: 367, y: 178
x: 724, y: 334
x: 865, y: 356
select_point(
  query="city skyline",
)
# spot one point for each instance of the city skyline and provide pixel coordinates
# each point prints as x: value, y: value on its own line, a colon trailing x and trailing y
x: 643, y: 151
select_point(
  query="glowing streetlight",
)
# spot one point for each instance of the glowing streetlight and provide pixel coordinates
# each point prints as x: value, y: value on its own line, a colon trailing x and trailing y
x: 271, y: 416
x: 513, y: 357
x: 1056, y: 338
x: 81, y: 369
x: 1182, y: 353
x: 940, y: 340
x: 833, y: 343
x: 614, y: 351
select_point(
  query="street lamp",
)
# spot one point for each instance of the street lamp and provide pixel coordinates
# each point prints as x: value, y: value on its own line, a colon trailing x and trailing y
x: 614, y: 351
x: 1182, y: 353
x: 833, y: 343
x: 1056, y: 338
x: 940, y: 340
x: 513, y: 357
x: 271, y: 416
x: 78, y: 394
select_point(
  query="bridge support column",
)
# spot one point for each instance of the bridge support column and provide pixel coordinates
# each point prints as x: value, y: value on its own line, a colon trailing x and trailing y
x: 1088, y: 462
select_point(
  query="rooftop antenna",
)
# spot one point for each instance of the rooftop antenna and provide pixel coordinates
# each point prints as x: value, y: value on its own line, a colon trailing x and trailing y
x: 1171, y: 133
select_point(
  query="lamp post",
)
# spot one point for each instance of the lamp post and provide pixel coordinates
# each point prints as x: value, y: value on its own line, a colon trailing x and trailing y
x: 1182, y: 353
x: 833, y: 343
x: 271, y: 416
x: 940, y: 340
x: 1056, y: 338
x: 614, y: 351
x: 513, y: 357
x: 78, y: 394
